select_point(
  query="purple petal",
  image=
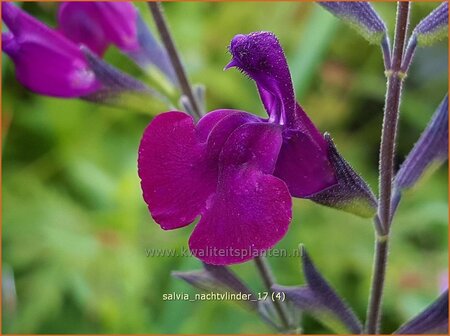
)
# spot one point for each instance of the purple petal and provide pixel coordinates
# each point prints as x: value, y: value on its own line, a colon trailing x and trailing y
x: 251, y: 209
x: 222, y: 130
x: 260, y: 56
x: 175, y: 177
x: 99, y: 24
x: 432, y: 320
x: 207, y: 123
x: 46, y: 62
x: 305, y: 125
x: 434, y: 27
x: 9, y: 43
x: 359, y: 15
x: 303, y: 165
x: 178, y: 163
x: 351, y: 193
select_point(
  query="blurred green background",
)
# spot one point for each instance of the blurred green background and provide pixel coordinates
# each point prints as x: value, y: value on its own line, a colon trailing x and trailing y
x: 75, y: 227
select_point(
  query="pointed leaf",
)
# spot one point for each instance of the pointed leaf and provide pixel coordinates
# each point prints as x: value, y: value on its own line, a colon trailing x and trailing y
x: 432, y: 320
x: 227, y: 277
x: 351, y: 193
x: 319, y: 298
x: 431, y: 148
x: 359, y: 15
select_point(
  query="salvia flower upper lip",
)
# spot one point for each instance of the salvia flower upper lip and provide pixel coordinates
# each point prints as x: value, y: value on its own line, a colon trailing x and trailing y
x: 234, y: 169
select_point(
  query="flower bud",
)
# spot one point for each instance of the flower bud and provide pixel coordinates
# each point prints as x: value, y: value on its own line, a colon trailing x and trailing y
x: 434, y: 27
x: 46, y: 62
x: 100, y: 24
x: 359, y: 15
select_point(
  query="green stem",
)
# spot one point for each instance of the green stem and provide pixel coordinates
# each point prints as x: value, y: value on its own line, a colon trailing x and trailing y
x: 161, y: 24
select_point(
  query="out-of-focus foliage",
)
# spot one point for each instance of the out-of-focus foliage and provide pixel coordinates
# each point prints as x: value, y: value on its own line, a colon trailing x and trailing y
x: 75, y: 227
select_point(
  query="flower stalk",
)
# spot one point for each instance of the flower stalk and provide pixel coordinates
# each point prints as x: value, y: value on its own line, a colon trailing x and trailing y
x: 269, y: 281
x: 161, y: 24
x: 395, y: 79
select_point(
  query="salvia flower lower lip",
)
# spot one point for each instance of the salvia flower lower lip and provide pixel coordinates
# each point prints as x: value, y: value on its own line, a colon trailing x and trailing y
x: 234, y: 169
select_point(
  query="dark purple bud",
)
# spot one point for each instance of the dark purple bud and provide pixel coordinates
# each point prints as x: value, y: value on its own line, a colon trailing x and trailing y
x: 217, y: 279
x: 432, y: 320
x: 46, y: 62
x: 431, y: 148
x: 116, y: 85
x: 319, y: 298
x: 359, y: 15
x: 434, y: 27
x: 100, y: 24
x: 351, y: 193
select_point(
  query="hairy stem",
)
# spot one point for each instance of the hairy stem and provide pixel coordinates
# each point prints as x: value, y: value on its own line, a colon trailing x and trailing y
x: 386, y: 50
x: 387, y: 154
x: 376, y: 293
x: 161, y: 24
x: 391, y: 113
x: 269, y: 280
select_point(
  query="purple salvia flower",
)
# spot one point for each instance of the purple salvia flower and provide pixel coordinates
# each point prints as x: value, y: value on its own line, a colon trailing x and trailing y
x: 46, y: 62
x: 236, y: 170
x: 432, y: 320
x: 222, y: 168
x: 100, y: 24
x: 319, y: 298
x: 432, y: 147
x: 361, y: 16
